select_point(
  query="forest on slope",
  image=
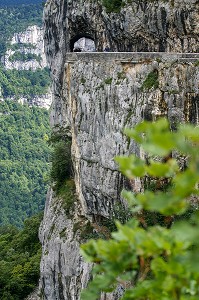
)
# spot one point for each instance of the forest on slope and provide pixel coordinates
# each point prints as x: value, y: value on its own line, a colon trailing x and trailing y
x: 24, y: 153
x: 16, y: 16
x: 24, y: 158
x: 20, y: 253
x: 24, y: 161
x: 16, y: 83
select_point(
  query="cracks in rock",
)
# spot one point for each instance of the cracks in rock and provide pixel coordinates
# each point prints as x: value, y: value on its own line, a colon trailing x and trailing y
x: 92, y: 161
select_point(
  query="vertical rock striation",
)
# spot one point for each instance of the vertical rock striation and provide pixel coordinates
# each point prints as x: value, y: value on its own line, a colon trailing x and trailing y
x: 102, y: 94
x: 168, y: 26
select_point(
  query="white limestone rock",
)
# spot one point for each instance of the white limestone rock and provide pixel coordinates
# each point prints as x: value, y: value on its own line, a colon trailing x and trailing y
x: 27, y: 42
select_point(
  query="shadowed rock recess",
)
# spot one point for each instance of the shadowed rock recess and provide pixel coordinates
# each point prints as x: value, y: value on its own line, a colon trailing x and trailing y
x: 96, y: 95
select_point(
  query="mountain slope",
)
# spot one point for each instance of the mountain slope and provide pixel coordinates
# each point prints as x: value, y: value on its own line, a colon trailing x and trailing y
x: 20, y: 253
x: 24, y: 158
x: 16, y: 17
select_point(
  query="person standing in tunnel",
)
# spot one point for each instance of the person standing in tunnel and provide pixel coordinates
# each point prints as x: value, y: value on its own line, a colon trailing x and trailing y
x: 107, y: 49
x: 77, y: 50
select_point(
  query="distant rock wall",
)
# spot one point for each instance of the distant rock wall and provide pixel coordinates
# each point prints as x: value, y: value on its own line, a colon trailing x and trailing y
x: 28, y: 42
x: 43, y: 101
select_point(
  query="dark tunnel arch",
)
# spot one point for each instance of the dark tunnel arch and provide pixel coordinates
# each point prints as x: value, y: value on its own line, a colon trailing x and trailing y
x: 79, y: 36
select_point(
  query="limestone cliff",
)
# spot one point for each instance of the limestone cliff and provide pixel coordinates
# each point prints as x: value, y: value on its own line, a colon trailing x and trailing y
x: 28, y: 42
x: 96, y: 95
x: 142, y: 25
x: 26, y: 52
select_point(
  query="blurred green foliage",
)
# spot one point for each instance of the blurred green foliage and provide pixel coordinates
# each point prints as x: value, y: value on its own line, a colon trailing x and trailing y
x: 154, y: 260
x: 20, y: 254
x: 24, y: 161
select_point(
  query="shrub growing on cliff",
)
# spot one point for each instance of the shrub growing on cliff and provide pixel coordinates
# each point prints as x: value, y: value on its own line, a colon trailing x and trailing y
x: 154, y: 261
x: 112, y: 5
x: 61, y: 158
x: 151, y: 81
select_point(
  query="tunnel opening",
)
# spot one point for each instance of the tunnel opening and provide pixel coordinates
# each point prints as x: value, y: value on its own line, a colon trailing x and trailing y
x: 82, y: 43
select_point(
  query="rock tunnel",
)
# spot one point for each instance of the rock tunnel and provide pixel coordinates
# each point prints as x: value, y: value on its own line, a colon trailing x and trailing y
x: 83, y: 42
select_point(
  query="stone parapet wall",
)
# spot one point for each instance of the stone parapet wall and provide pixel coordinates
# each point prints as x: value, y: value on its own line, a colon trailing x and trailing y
x: 130, y: 56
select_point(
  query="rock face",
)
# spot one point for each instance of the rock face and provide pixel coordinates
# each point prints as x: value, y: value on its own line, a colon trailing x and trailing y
x: 102, y: 94
x: 33, y: 295
x: 29, y: 42
x: 142, y: 25
x: 26, y: 52
x: 43, y: 101
x: 96, y: 95
x: 63, y: 272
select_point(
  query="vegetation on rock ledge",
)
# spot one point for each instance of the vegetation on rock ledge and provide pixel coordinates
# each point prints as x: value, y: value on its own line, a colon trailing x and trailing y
x: 20, y: 56
x: 151, y: 81
x: 61, y: 169
x: 112, y: 5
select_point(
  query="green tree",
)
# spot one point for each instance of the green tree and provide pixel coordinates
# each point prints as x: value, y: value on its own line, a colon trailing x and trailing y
x: 154, y: 260
x: 24, y: 82
x: 24, y: 161
x: 20, y: 254
x: 61, y: 169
